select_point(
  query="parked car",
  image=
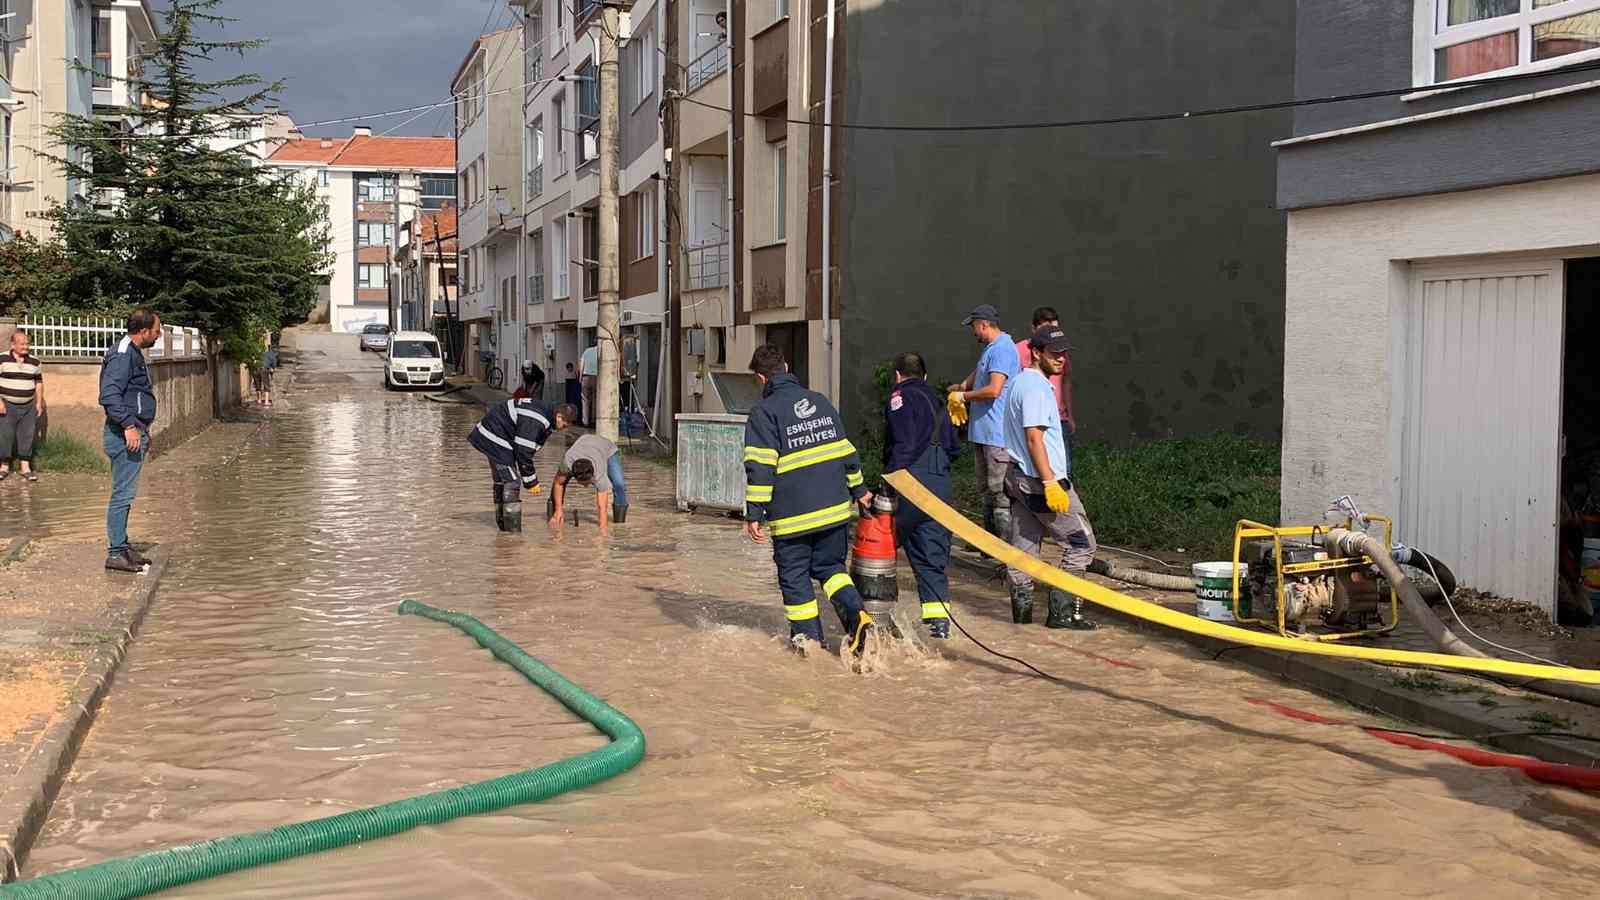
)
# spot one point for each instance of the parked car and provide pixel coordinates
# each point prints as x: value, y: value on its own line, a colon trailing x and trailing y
x: 375, y: 337
x: 414, y: 361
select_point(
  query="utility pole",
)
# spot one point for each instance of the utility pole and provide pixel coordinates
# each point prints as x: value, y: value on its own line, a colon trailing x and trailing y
x: 608, y: 390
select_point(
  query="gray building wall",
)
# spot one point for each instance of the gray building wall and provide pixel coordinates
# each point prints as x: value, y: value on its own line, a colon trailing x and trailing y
x: 1158, y: 243
x: 641, y: 123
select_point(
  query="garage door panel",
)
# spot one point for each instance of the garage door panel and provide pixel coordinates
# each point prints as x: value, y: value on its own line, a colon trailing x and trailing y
x: 1479, y: 425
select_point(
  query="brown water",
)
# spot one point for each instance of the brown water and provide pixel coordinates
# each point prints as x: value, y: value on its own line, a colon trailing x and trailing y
x: 273, y: 683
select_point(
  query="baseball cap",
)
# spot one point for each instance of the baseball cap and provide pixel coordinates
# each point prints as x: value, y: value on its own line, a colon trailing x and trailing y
x: 986, y: 312
x: 1051, y: 338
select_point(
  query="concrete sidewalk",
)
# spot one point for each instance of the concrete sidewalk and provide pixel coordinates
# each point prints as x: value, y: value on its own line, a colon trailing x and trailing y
x: 1472, y: 707
x: 67, y: 624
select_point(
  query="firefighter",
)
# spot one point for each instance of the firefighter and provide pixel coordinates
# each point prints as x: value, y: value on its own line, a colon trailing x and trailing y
x: 921, y: 439
x: 804, y: 480
x: 509, y: 435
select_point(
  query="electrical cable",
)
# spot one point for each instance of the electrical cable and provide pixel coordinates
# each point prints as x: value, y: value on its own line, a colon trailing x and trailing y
x: 1141, y: 556
x: 1164, y: 117
x: 1468, y: 629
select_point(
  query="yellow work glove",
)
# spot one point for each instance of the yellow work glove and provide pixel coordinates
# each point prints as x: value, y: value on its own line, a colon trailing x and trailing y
x: 958, y: 409
x: 1057, y: 498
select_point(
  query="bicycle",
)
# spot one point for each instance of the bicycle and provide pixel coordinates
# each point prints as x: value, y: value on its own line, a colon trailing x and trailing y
x: 493, y: 374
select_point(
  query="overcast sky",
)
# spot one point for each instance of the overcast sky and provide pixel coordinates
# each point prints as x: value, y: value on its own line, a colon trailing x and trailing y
x: 348, y: 57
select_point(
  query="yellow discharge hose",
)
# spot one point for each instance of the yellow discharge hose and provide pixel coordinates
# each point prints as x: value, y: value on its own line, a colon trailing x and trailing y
x: 912, y: 491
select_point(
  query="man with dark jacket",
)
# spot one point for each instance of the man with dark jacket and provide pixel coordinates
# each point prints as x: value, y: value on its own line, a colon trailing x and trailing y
x: 509, y: 435
x: 129, y: 401
x: 920, y: 438
x: 803, y: 481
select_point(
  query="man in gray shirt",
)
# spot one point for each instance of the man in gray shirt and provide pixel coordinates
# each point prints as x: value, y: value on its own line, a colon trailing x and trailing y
x: 592, y: 460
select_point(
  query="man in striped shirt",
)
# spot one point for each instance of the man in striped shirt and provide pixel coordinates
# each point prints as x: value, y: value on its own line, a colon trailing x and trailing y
x: 21, y: 406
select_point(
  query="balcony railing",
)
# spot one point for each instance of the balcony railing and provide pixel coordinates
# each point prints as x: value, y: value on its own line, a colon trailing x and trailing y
x: 536, y: 181
x: 535, y: 290
x: 708, y: 266
x: 707, y: 66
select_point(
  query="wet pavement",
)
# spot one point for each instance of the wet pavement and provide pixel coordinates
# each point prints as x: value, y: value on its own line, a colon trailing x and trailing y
x: 274, y: 683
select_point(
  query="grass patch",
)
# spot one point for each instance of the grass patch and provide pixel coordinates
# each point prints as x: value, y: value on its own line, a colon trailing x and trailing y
x: 1162, y: 495
x: 1544, y: 721
x: 68, y: 454
x: 1429, y: 683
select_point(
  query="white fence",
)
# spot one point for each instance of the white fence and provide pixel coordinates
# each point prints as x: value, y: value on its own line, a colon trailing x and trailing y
x: 82, y: 337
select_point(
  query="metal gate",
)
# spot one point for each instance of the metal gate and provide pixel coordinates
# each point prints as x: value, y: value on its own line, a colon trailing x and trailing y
x: 1480, y: 420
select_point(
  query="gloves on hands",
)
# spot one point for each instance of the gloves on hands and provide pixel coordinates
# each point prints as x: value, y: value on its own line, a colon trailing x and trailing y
x: 1057, y: 498
x: 958, y: 409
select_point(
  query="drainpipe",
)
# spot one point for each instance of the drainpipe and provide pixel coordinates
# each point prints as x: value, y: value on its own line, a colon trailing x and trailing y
x: 732, y: 191
x: 827, y: 208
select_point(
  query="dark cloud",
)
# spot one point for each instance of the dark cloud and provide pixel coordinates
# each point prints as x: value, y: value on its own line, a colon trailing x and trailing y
x: 348, y: 57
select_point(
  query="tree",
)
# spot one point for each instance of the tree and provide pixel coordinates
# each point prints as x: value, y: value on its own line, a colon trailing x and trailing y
x: 189, y: 225
x: 33, y: 276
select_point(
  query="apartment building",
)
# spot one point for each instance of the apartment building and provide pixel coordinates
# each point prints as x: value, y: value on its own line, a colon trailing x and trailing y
x: 426, y: 257
x: 1157, y: 242
x: 70, y: 57
x: 260, y: 136
x: 1443, y: 280
x: 371, y: 184
x: 561, y: 113
x: 487, y: 87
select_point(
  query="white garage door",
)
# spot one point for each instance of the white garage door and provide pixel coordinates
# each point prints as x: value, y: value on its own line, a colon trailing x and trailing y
x: 1480, y: 418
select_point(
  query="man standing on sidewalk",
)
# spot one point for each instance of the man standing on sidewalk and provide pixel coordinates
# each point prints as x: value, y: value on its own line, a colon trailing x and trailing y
x: 982, y: 390
x: 130, y: 404
x: 21, y: 406
x: 1040, y: 483
x: 589, y: 372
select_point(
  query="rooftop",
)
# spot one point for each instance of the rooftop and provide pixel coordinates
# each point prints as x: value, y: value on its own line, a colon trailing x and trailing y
x: 368, y: 152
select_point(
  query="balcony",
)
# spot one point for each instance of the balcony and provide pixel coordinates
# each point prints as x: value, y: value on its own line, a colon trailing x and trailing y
x: 768, y: 272
x: 770, y: 61
x: 536, y: 181
x: 708, y: 267
x: 707, y: 66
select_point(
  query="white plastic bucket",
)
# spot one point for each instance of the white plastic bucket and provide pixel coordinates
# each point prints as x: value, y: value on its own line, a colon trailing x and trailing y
x: 1213, y: 591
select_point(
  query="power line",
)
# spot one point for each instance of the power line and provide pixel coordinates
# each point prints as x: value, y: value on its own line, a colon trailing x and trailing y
x: 1160, y: 117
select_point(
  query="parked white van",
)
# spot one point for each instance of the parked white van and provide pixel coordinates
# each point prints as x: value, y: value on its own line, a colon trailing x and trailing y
x: 414, y: 361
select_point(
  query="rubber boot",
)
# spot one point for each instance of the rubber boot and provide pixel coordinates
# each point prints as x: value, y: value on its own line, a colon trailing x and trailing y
x: 509, y: 517
x: 938, y: 629
x: 1066, y: 611
x: 1022, y: 604
x: 856, y: 631
x: 619, y: 513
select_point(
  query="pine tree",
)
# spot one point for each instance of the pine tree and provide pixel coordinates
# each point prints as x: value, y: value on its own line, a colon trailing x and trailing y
x: 198, y: 233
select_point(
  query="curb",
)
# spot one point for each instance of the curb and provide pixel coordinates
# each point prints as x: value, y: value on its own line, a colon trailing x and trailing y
x: 14, y: 551
x: 25, y: 803
x: 1360, y: 684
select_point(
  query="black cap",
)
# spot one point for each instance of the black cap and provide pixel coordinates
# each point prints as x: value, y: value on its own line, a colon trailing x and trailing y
x: 1051, y: 338
x: 985, y: 312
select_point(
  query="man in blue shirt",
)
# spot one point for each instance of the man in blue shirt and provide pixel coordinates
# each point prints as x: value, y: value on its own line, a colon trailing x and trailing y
x: 975, y: 400
x: 1039, y: 483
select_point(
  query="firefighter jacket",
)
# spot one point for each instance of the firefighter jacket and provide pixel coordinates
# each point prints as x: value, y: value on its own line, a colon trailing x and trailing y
x: 917, y: 421
x: 802, y: 473
x: 512, y: 433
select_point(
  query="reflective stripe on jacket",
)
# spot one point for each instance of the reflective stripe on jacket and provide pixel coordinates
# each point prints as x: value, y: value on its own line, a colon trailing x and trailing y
x: 801, y: 473
x: 512, y: 432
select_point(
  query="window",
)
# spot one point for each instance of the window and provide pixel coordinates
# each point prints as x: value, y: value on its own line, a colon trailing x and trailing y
x: 642, y: 64
x: 645, y: 227
x: 781, y: 7
x: 373, y: 276
x: 535, y: 45
x: 480, y: 170
x: 536, y: 154
x: 588, y: 112
x: 374, y: 234
x: 508, y: 301
x: 375, y: 188
x: 1480, y: 37
x: 464, y: 265
x: 560, y: 33
x: 437, y: 191
x: 322, y: 177
x: 558, y: 113
x: 561, y: 289
x: 100, y: 47
x: 780, y: 191
x: 239, y: 132
x: 536, y: 268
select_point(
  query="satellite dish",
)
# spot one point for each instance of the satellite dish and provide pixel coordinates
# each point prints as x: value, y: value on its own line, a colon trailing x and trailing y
x: 502, y: 206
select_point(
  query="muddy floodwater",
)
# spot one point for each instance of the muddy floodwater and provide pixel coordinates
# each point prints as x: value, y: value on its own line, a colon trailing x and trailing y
x: 274, y: 683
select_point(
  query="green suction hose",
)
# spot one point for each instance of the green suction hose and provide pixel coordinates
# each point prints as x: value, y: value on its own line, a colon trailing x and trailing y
x: 147, y: 873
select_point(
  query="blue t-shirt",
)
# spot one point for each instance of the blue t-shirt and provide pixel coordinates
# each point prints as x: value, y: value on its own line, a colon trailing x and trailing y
x: 1030, y: 402
x: 986, y: 418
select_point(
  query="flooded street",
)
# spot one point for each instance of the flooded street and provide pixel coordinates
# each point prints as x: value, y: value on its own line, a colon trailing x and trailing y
x: 273, y: 683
